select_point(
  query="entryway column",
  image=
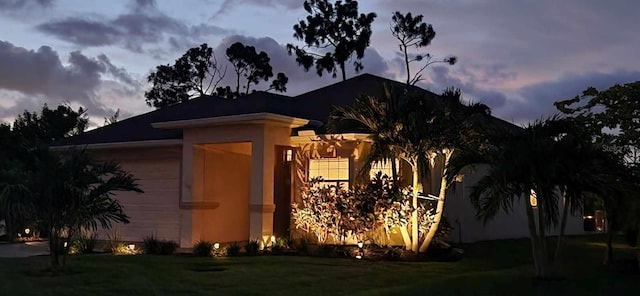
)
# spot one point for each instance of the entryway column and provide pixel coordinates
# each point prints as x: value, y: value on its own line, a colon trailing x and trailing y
x: 261, y: 206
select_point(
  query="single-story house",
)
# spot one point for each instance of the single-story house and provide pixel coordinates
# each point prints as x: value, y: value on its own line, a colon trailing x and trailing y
x: 228, y: 170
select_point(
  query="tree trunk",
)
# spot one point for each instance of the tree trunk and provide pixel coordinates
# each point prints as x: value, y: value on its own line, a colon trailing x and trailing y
x: 405, y: 237
x: 344, y: 73
x: 54, y: 245
x: 394, y: 172
x: 535, y: 240
x: 414, y: 213
x: 638, y: 245
x: 406, y: 63
x: 563, y: 226
x: 248, y: 86
x: 238, y: 83
x: 543, y: 252
x: 10, y: 231
x: 608, y: 256
x: 433, y: 228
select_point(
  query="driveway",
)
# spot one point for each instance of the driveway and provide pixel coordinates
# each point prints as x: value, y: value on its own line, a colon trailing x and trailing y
x: 26, y: 249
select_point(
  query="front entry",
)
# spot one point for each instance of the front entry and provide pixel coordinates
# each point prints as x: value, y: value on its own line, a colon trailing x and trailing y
x: 282, y: 191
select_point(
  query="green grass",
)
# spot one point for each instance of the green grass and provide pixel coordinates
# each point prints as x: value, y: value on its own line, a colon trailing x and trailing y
x: 489, y: 268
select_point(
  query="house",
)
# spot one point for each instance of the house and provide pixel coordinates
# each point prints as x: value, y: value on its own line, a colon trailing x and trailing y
x: 228, y: 170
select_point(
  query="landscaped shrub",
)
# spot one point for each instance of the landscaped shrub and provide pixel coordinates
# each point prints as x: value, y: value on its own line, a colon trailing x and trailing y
x: 233, y: 250
x: 325, y: 251
x: 115, y: 245
x: 392, y: 254
x: 279, y: 246
x: 151, y: 245
x: 167, y: 247
x: 84, y: 243
x: 301, y: 246
x: 343, y: 214
x: 252, y: 248
x: 203, y: 249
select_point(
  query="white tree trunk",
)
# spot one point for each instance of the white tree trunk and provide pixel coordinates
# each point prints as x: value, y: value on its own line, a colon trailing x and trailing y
x: 405, y: 237
x: 433, y: 228
x: 414, y: 214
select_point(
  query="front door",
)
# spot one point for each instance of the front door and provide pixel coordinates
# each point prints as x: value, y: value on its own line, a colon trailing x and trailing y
x: 282, y: 191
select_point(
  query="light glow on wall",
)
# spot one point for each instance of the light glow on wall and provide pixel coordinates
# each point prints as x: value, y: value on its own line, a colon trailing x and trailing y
x: 533, y: 199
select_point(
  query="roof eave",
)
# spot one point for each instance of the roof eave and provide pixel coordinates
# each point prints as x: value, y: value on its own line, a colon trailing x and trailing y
x: 253, y: 118
x: 118, y: 145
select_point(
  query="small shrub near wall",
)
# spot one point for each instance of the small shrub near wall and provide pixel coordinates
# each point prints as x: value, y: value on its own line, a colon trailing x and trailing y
x: 280, y: 246
x: 153, y: 246
x: 301, y: 246
x: 84, y: 243
x: 252, y: 248
x: 168, y: 247
x: 116, y: 246
x: 203, y: 249
x: 233, y: 250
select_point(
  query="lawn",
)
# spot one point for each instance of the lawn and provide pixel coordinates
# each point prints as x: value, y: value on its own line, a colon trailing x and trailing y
x: 488, y: 268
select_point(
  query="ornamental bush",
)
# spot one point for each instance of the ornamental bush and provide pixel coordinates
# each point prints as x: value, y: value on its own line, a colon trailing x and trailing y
x: 340, y: 214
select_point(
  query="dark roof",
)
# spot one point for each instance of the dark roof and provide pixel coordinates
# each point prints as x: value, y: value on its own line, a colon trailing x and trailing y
x: 315, y: 105
x: 138, y: 128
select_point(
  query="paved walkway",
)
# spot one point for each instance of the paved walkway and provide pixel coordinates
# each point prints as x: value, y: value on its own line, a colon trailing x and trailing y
x: 26, y: 249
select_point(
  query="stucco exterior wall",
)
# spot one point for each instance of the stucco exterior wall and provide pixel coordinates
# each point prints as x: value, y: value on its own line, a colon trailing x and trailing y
x: 264, y: 137
x: 221, y: 176
x: 468, y: 228
x: 155, y: 212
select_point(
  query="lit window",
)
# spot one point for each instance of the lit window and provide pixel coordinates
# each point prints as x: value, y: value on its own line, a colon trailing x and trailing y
x: 289, y: 155
x: 333, y: 171
x: 384, y: 167
x: 533, y: 199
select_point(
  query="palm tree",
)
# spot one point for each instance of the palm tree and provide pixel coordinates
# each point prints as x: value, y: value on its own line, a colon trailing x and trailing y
x: 70, y: 191
x: 550, y: 158
x: 11, y: 206
x: 417, y: 127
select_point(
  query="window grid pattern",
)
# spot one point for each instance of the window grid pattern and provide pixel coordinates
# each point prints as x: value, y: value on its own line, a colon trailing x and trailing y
x: 333, y: 171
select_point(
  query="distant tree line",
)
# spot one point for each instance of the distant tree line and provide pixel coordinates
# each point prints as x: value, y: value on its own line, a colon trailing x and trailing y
x: 332, y: 35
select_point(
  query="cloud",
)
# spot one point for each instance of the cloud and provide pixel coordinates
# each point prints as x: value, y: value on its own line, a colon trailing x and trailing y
x: 142, y: 26
x: 6, y: 5
x: 523, y: 104
x: 300, y: 81
x: 537, y: 100
x: 41, y: 76
x: 229, y: 5
x: 531, y: 38
x: 440, y: 77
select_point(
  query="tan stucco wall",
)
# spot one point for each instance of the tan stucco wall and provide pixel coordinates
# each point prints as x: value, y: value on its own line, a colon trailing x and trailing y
x: 263, y: 138
x: 221, y: 175
x: 155, y: 212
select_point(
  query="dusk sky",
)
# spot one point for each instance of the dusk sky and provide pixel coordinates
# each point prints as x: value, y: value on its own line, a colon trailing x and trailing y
x: 516, y: 56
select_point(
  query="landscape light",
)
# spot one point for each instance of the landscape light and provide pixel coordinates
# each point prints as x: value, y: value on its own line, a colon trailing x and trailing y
x: 216, y: 246
x: 131, y: 247
x: 27, y: 230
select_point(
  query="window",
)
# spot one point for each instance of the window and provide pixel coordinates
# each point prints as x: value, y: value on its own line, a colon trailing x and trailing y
x: 334, y: 171
x: 384, y: 167
x: 533, y: 199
